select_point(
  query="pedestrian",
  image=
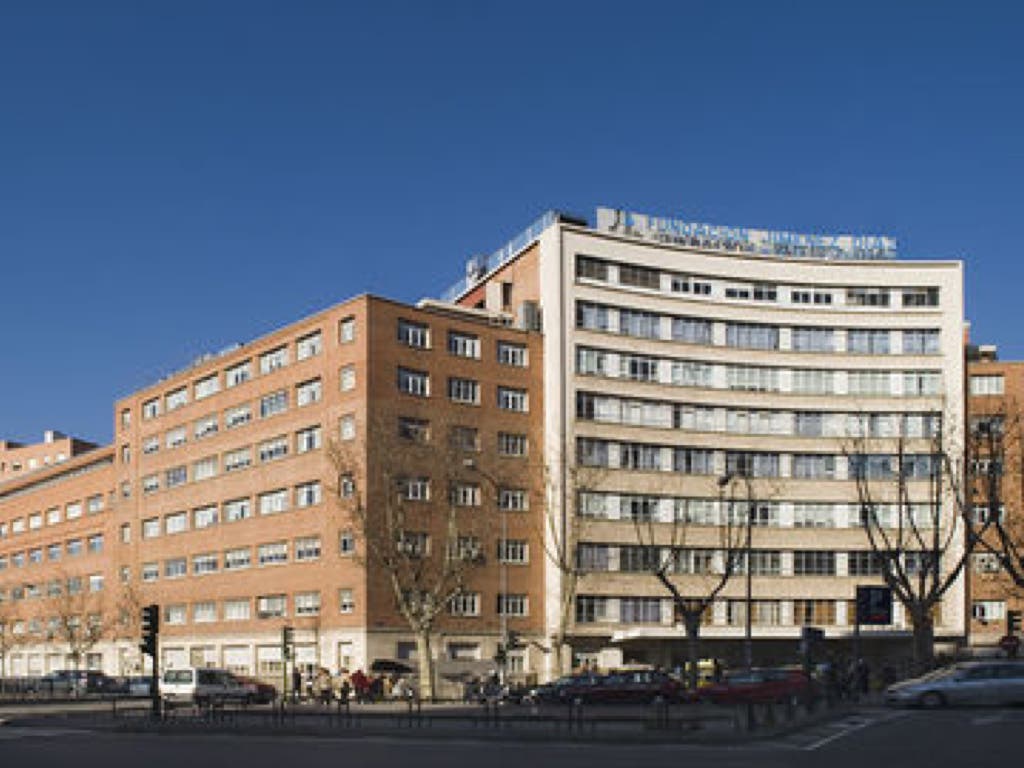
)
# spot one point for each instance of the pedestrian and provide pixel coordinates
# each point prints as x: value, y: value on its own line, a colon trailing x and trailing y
x: 323, y: 687
x: 296, y: 684
x: 360, y: 685
x: 862, y: 677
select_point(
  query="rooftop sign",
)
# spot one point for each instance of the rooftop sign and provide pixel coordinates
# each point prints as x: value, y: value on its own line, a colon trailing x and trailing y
x: 760, y: 242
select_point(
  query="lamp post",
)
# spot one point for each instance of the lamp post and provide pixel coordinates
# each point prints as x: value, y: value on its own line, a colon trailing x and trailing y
x: 748, y: 633
x: 502, y: 569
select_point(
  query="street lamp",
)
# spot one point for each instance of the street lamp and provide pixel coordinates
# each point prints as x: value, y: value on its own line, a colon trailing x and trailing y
x: 748, y: 634
x: 471, y: 464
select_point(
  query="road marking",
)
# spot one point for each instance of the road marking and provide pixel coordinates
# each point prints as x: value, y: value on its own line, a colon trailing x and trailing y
x: 852, y: 725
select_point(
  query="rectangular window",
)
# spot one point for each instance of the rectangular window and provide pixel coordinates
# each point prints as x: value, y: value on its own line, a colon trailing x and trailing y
x: 175, y: 568
x: 273, y: 554
x: 512, y: 354
x: 690, y: 330
x: 238, y: 374
x: 988, y: 610
x: 273, y: 502
x: 513, y: 499
x: 270, y: 450
x: 512, y: 444
x: 236, y: 610
x: 752, y: 379
x: 307, y: 548
x: 151, y: 444
x: 346, y: 601
x: 591, y: 609
x: 176, y: 437
x: 814, y: 466
x: 307, y: 439
x: 150, y: 571
x: 814, y: 612
x: 206, y: 387
x: 151, y: 409
x: 236, y: 460
x: 347, y: 330
x: 415, y: 488
x: 750, y: 336
x: 176, y: 399
x: 348, y: 378
x: 175, y: 614
x: 417, y: 430
x: 920, y: 297
x: 513, y: 551
x: 416, y: 335
x: 205, y: 563
x: 639, y: 610
x: 308, y: 392
x: 513, y: 605
x: 814, y: 563
x: 176, y: 523
x: 591, y: 317
x: 276, y: 402
x: 992, y: 384
x: 273, y: 360
x: 463, y: 344
x: 236, y: 509
x: 592, y: 269
x: 308, y: 346
x: 813, y: 340
x: 271, y: 606
x: 204, y: 468
x: 867, y: 297
x: 510, y: 399
x: 347, y: 427
x: 346, y: 543
x: 464, y: 604
x: 413, y: 382
x: 94, y: 543
x: 204, y: 613
x: 465, y: 495
x: 307, y: 603
x: 687, y: 284
x: 861, y: 563
x: 236, y: 417
x: 864, y: 341
x: 870, y: 383
x: 642, y: 325
x: 307, y: 494
x: 205, y: 427
x: 921, y: 342
x: 812, y: 515
x: 176, y: 476
x: 237, y: 559
x: 151, y: 528
x: 204, y: 517
x: 466, y: 391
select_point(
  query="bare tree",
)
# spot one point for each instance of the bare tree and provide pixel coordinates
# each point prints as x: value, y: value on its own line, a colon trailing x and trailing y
x: 417, y: 518
x: 125, y: 622
x: 81, y: 622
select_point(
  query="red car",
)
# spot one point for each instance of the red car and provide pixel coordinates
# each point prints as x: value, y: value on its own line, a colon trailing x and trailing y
x: 759, y: 686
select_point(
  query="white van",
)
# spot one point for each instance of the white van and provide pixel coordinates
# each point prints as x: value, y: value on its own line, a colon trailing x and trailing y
x: 201, y: 687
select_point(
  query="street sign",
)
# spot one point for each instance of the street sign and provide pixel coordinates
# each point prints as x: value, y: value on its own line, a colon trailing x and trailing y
x: 874, y: 605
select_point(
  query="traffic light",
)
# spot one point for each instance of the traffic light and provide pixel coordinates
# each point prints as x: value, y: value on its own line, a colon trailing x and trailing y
x: 1013, y: 622
x: 150, y: 629
x: 287, y: 643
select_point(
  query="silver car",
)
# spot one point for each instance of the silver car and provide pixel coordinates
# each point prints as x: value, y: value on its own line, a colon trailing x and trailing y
x: 969, y: 682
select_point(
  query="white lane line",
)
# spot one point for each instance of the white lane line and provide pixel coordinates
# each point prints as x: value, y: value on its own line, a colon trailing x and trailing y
x: 853, y: 728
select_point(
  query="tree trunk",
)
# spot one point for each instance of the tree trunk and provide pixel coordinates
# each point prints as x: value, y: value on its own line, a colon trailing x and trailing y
x: 426, y: 664
x: 691, y: 621
x: 924, y: 639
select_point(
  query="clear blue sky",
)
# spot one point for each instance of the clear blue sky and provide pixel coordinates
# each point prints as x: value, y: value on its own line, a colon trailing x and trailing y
x: 177, y: 176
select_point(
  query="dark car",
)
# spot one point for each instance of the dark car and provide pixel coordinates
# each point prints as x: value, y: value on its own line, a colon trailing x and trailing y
x: 566, y: 690
x: 759, y: 686
x: 258, y: 691
x: 72, y: 682
x: 639, y: 686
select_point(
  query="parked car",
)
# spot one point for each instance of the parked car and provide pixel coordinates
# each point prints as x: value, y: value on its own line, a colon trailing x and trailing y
x: 565, y: 690
x: 968, y: 683
x: 258, y: 691
x: 74, y: 682
x: 136, y: 686
x: 201, y: 687
x: 637, y: 686
x: 758, y: 686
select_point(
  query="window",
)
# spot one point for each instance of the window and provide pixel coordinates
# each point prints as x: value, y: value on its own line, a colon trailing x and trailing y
x: 236, y: 610
x: 308, y: 346
x: 271, y: 606
x: 94, y: 543
x: 273, y: 360
x: 643, y: 325
x: 814, y: 563
x: 639, y: 610
x: 176, y: 523
x: 592, y: 362
x: 347, y: 427
x: 921, y: 342
x: 513, y: 605
x: 591, y: 609
x: 591, y: 268
x: 810, y: 297
x: 307, y: 439
x: 814, y: 612
x: 239, y: 459
x: 813, y: 340
x: 814, y: 466
x: 414, y: 544
x: 811, y: 515
x: 920, y: 297
x: 52, y: 517
x: 988, y: 610
x: 465, y: 604
x: 307, y: 548
x: 236, y: 509
x: 413, y: 382
x: 346, y: 601
x: 347, y: 330
x: 686, y: 284
x: 465, y: 495
x: 205, y: 563
x: 639, y: 277
x: 273, y: 554
x: 176, y: 476
x: 511, y: 444
x: 53, y: 552
x: 513, y: 499
x: 878, y: 466
x: 466, y: 391
x: 236, y: 417
x: 150, y: 484
x: 513, y: 551
x: 237, y: 559
x: 749, y: 464
x: 176, y: 437
x: 276, y: 402
x: 35, y: 520
x: 175, y: 614
x: 273, y: 502
x: 693, y: 461
x: 346, y: 543
x: 986, y: 385
x: 205, y: 612
x: 861, y: 563
x: 691, y: 330
x: 512, y: 354
x: 238, y: 374
x: 463, y: 344
x: 985, y: 562
x: 307, y: 494
x: 465, y: 439
x: 591, y: 317
x: 150, y: 571
x: 204, y: 517
x: 752, y: 379
x: 176, y: 399
x: 417, y: 430
x: 415, y: 488
x: 126, y: 418
x: 638, y: 368
x: 347, y: 376
x: 204, y: 468
x: 307, y: 603
x: 750, y: 336
x: 273, y: 449
x: 871, y: 383
x: 865, y: 341
x: 151, y: 409
x: 510, y: 399
x: 412, y: 334
x: 867, y: 297
x: 206, y: 387
x: 308, y: 392
x: 151, y: 528
x: 151, y: 444
x: 175, y: 568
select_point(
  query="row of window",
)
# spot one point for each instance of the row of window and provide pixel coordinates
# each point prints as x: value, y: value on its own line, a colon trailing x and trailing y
x: 592, y: 361
x: 602, y: 505
x: 652, y: 325
x: 463, y: 494
x: 72, y: 585
x: 53, y: 551
x: 304, y: 549
x: 278, y: 447
x: 35, y: 521
x: 462, y: 437
x: 267, y: 362
x: 461, y: 390
x: 652, y: 279
x: 461, y: 344
x: 626, y: 558
x: 611, y: 409
x: 267, y: 503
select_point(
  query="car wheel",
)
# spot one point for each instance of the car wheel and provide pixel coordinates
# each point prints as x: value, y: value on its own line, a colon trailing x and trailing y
x: 933, y: 700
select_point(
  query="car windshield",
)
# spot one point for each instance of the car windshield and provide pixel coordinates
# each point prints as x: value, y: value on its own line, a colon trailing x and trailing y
x: 940, y: 674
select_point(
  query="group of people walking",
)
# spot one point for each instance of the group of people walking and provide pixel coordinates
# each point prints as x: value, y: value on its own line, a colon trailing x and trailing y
x: 321, y: 686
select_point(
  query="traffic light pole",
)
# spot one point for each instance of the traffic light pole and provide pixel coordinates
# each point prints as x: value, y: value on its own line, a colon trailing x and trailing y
x: 154, y: 681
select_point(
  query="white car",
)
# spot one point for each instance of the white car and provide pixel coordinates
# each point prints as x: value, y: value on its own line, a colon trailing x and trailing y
x: 201, y: 687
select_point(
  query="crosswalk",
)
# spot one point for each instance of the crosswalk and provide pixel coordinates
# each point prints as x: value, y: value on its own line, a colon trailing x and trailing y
x: 818, y: 736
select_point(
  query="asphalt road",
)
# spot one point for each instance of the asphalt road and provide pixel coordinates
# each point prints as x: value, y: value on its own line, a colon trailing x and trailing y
x: 876, y: 738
